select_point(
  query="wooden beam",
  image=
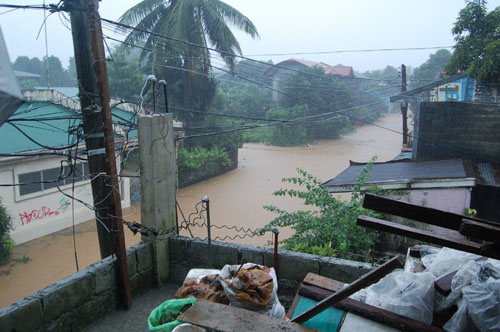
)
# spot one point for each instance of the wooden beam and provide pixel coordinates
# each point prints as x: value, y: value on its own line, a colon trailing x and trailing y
x: 365, y: 281
x: 480, y: 230
x: 416, y: 212
x: 224, y: 318
x: 323, y: 282
x: 452, y: 241
x: 370, y: 312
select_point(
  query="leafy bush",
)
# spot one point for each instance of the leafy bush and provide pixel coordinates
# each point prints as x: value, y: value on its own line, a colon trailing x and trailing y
x: 329, y: 228
x: 287, y: 134
x: 202, y: 158
x: 6, y: 243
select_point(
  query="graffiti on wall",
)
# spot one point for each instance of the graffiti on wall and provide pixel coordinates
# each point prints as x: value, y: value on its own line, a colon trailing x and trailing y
x: 44, y: 212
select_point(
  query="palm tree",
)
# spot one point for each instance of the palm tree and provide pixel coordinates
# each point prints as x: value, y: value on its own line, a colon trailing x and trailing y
x: 200, y: 22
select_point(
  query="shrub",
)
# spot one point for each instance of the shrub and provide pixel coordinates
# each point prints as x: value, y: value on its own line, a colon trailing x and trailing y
x: 329, y: 228
x: 6, y: 243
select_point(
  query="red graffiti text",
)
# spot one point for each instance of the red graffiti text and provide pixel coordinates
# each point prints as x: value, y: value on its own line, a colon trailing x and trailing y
x: 40, y: 213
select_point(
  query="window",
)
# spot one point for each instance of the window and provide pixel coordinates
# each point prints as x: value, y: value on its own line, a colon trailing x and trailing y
x: 33, y: 182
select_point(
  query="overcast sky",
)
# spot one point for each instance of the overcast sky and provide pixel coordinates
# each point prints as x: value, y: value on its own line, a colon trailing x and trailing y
x: 285, y: 26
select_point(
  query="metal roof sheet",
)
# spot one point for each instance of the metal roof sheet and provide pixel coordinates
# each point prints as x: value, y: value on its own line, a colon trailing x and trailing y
x: 52, y: 132
x: 402, y: 171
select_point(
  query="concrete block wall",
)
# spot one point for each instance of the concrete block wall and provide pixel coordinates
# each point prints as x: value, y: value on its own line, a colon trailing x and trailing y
x: 458, y: 130
x: 73, y: 303
x: 187, y: 253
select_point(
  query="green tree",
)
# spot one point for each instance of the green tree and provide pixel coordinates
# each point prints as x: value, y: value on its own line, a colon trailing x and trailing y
x: 6, y: 243
x: 287, y: 134
x: 323, y: 93
x: 125, y: 75
x: 197, y: 22
x: 430, y: 70
x: 58, y: 76
x: 24, y: 63
x: 477, y: 50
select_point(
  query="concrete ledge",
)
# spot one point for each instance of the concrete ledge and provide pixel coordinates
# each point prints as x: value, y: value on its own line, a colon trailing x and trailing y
x: 24, y: 315
x: 76, y: 301
x: 187, y: 253
x: 66, y: 294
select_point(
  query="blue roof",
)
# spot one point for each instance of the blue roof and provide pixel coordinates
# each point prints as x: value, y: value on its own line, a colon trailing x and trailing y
x: 50, y: 130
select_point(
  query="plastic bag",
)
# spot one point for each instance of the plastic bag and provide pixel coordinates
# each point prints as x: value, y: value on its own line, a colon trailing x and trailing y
x: 483, y: 304
x: 164, y: 317
x: 261, y: 296
x: 446, y: 260
x: 405, y: 293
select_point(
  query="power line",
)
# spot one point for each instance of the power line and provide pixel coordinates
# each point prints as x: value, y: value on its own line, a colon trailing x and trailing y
x: 356, y: 51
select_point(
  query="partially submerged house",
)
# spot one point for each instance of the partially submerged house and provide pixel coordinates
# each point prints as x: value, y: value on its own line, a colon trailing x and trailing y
x: 281, y: 71
x: 37, y: 188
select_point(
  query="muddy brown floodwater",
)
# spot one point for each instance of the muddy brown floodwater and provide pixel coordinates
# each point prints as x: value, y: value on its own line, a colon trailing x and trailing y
x: 236, y: 199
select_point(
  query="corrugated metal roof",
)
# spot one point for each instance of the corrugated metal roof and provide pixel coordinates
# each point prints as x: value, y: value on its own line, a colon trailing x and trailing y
x: 53, y: 132
x: 23, y: 74
x: 402, y: 172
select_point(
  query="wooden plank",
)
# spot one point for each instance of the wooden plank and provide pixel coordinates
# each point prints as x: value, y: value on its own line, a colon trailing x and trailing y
x: 443, y: 284
x: 370, y: 312
x: 480, y: 230
x: 449, y: 241
x: 292, y: 308
x: 368, y: 279
x: 323, y: 282
x: 416, y: 212
x: 224, y: 318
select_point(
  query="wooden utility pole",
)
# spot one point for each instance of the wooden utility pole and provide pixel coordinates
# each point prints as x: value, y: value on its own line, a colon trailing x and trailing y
x: 98, y: 129
x: 404, y: 106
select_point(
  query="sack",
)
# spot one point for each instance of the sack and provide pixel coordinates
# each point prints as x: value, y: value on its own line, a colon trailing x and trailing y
x: 164, y: 317
x: 253, y: 287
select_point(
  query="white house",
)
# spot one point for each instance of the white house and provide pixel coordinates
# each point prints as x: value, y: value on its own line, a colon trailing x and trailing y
x: 39, y: 203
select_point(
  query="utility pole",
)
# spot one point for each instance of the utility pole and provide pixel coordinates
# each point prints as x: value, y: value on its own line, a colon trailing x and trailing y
x: 404, y: 107
x: 98, y: 129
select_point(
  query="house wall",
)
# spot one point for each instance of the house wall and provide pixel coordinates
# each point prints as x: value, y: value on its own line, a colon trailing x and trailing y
x: 44, y: 212
x: 281, y: 76
x: 457, y: 130
x: 452, y: 200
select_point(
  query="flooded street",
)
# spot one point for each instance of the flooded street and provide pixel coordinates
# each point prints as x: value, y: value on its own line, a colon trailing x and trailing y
x: 237, y: 199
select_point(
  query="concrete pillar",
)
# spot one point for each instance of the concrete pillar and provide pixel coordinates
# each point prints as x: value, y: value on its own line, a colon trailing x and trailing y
x: 157, y: 154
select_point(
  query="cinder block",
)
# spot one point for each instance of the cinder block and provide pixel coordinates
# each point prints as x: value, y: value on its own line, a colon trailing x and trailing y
x: 251, y: 254
x: 131, y: 261
x: 93, y: 310
x: 140, y: 282
x: 178, y: 271
x: 223, y: 254
x: 295, y: 266
x: 67, y: 294
x: 178, y: 248
x: 343, y: 270
x: 144, y: 256
x: 198, y: 254
x: 105, y: 275
x: 24, y: 315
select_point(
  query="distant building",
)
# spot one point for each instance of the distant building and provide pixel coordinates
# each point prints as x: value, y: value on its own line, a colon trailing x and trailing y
x: 280, y: 75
